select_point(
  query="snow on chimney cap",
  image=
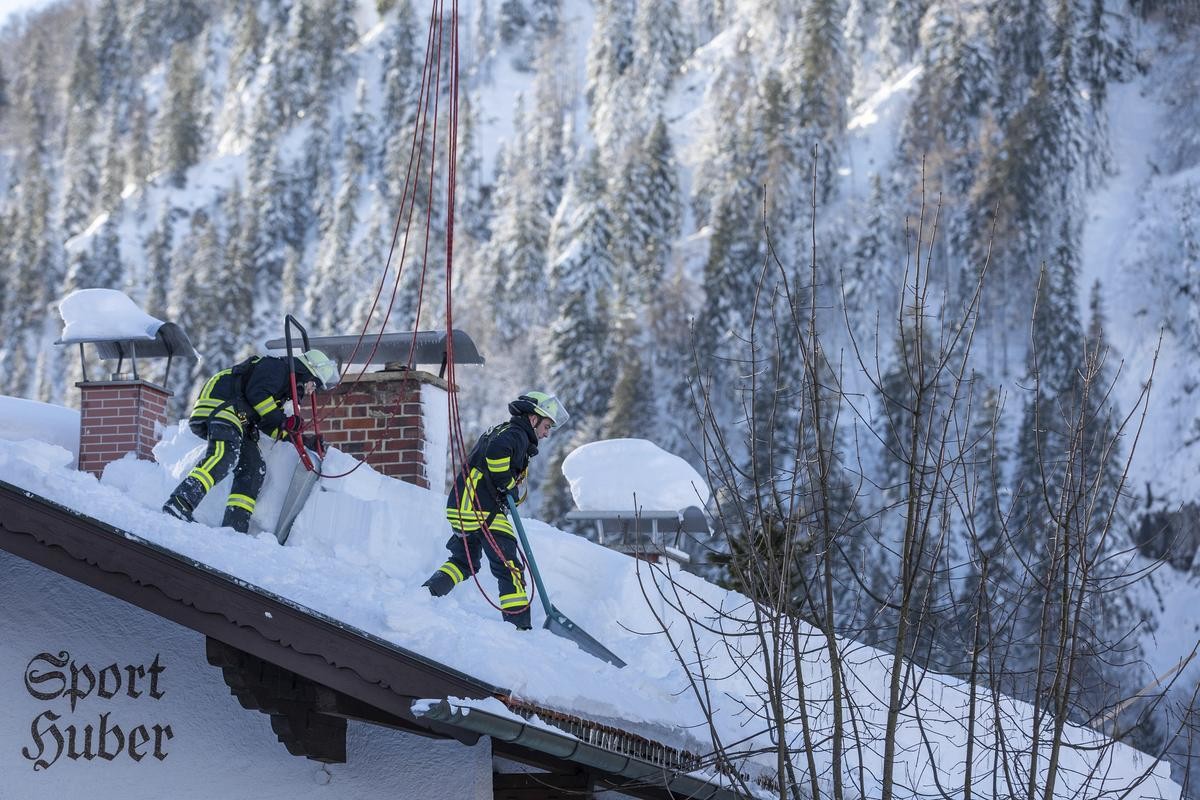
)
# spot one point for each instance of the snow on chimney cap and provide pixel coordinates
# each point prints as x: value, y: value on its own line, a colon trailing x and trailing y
x: 108, y: 319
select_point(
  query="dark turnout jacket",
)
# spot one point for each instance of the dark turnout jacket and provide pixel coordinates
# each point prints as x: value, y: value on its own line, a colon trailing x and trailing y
x: 496, y: 462
x: 250, y: 395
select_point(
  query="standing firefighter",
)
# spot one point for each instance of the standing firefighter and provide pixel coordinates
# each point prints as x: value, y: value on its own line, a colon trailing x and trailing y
x: 233, y: 407
x: 478, y: 509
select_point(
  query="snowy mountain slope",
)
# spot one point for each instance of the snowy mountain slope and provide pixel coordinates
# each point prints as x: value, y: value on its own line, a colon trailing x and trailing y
x: 1139, y: 245
x: 910, y: 91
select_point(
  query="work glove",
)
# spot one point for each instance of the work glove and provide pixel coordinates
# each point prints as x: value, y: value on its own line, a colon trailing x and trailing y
x: 293, y: 426
x: 517, y: 496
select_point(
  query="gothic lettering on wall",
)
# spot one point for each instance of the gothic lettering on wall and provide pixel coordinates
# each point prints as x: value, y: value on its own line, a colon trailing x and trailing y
x: 93, y: 733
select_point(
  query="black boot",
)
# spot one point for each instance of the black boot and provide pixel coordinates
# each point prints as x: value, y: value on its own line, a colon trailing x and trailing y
x: 521, y: 621
x: 178, y: 508
x: 237, y: 518
x: 439, y: 584
x: 184, y: 499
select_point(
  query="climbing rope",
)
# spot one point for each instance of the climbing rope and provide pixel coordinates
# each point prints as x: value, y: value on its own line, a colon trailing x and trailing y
x: 425, y: 137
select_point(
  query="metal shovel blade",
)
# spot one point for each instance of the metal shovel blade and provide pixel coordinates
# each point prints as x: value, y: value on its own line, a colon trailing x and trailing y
x: 560, y: 624
x: 298, y: 491
x: 556, y: 621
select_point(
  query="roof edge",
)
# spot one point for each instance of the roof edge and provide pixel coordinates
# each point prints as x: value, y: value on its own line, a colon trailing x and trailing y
x: 570, y: 748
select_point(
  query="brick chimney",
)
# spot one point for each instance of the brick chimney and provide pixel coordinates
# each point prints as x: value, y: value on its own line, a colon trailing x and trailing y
x: 125, y: 413
x: 395, y: 420
x: 118, y: 417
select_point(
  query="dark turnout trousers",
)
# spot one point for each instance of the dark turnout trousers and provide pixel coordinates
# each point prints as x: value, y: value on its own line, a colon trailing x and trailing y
x: 506, y: 568
x: 228, y: 450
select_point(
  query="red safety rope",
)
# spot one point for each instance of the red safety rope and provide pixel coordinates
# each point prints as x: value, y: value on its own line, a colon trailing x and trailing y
x: 457, y: 442
x: 429, y: 95
x: 403, y: 217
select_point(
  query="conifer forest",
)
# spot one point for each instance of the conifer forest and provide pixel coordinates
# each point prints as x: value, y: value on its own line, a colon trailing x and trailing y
x: 914, y: 283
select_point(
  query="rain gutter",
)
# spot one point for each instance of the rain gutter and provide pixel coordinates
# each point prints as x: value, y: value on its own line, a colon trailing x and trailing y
x: 505, y: 728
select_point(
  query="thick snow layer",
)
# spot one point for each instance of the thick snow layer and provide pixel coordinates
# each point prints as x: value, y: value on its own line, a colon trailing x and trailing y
x: 28, y: 419
x: 623, y: 474
x: 92, y: 314
x: 364, y: 543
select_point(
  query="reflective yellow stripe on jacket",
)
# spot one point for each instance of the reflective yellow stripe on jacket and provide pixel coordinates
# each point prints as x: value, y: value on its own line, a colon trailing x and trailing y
x: 266, y: 406
x: 500, y: 467
x: 469, y: 517
x: 206, y: 404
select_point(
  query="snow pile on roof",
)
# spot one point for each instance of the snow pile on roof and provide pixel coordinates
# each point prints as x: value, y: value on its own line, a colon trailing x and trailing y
x: 104, y: 314
x: 27, y: 420
x: 619, y: 474
x: 364, y: 543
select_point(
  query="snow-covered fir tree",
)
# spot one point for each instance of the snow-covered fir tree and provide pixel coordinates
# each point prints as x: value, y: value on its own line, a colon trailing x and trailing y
x: 180, y: 133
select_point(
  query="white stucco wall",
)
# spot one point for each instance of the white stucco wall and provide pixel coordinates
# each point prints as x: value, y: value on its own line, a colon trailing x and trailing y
x: 215, y: 747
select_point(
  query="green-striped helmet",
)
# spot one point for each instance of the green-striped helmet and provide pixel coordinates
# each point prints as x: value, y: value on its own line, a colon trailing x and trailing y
x: 542, y: 404
x: 321, y: 367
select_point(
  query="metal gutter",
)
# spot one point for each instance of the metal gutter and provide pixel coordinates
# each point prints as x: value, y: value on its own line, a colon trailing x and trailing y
x: 634, y: 771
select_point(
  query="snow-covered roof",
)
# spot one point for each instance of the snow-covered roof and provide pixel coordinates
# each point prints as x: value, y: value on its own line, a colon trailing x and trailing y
x: 364, y: 543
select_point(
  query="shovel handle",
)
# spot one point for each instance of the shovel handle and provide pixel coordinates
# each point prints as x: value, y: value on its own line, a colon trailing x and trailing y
x: 537, y: 576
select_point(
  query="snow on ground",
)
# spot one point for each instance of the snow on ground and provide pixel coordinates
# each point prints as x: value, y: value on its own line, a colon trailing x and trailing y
x: 1133, y: 227
x: 364, y: 543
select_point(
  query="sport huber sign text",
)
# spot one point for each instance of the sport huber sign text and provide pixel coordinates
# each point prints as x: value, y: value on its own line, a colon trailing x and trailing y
x: 51, y: 677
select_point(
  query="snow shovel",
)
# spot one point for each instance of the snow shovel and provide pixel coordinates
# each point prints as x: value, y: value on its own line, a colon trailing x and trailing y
x: 303, y: 481
x: 556, y: 621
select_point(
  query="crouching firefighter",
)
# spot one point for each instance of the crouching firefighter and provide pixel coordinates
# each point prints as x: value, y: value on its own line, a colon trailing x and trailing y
x: 233, y: 407
x: 478, y: 503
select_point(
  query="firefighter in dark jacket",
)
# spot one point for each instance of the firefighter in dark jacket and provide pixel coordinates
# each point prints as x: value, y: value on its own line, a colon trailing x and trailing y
x: 233, y: 407
x: 478, y: 503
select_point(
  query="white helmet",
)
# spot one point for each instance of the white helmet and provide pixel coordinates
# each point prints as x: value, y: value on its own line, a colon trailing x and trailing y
x: 542, y: 404
x: 321, y: 367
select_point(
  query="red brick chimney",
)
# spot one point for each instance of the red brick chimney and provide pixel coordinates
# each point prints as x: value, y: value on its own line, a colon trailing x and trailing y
x: 118, y: 417
x: 395, y: 420
x: 125, y: 413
